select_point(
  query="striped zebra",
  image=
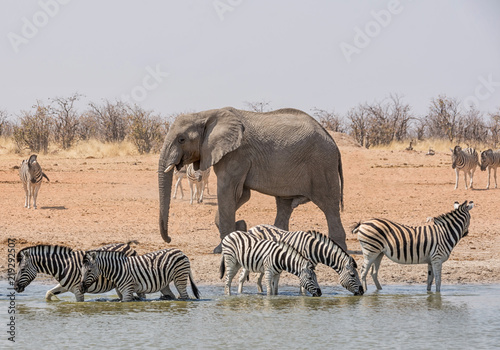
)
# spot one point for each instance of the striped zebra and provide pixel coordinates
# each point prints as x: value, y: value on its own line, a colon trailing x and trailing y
x: 316, y: 247
x: 429, y: 244
x: 31, y: 175
x: 464, y: 160
x: 64, y: 264
x: 490, y: 159
x: 199, y: 179
x: 148, y: 273
x: 178, y: 176
x: 241, y: 249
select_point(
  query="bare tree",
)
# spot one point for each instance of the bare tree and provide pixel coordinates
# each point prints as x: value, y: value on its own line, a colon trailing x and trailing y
x: 329, y: 119
x: 443, y: 118
x: 112, y: 120
x: 66, y: 119
x: 494, y: 127
x: 146, y: 129
x: 34, y: 129
x: 5, y: 124
x: 262, y: 106
x: 358, y: 117
x: 472, y: 128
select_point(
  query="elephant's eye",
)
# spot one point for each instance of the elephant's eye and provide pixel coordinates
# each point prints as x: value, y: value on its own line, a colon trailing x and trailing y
x: 182, y: 139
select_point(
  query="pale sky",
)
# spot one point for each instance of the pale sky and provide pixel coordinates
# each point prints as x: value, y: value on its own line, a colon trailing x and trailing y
x: 193, y: 55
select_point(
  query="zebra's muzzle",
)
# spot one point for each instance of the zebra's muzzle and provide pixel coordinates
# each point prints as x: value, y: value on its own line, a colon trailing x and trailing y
x: 83, y: 287
x: 18, y: 288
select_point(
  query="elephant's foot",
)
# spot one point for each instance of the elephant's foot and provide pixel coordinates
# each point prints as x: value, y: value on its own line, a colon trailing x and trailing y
x: 218, y: 249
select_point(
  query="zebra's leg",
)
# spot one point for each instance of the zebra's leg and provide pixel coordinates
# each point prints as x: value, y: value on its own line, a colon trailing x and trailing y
x: 259, y: 283
x: 55, y: 291
x: 465, y: 179
x: 472, y: 178
x: 35, y: 195
x: 180, y: 283
x: 283, y: 212
x: 191, y: 191
x: 489, y: 173
x: 200, y: 192
x: 205, y: 184
x: 25, y: 194
x: 368, y: 260
x: 436, y: 267
x: 276, y: 282
x: 494, y: 174
x: 269, y: 282
x: 167, y: 293
x: 430, y: 277
x: 232, y: 268
x: 30, y: 194
x: 456, y: 178
x: 177, y: 185
x: 375, y: 269
x: 243, y: 276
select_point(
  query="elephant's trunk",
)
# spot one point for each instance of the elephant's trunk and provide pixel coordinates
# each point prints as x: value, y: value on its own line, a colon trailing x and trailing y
x: 165, y: 189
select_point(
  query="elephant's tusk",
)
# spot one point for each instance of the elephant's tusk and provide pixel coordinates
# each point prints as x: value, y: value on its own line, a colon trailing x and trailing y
x: 170, y: 167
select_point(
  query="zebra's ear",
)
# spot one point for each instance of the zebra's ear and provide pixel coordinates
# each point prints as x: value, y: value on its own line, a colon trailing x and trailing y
x: 456, y: 205
x: 471, y: 205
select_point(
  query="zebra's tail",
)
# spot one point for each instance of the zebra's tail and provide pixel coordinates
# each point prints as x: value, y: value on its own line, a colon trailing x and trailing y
x: 45, y: 176
x: 222, y: 268
x: 195, y: 289
x: 355, y: 229
x: 133, y: 241
x: 341, y: 175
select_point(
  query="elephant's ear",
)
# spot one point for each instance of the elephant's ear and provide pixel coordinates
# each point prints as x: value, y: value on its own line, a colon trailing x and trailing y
x: 223, y: 133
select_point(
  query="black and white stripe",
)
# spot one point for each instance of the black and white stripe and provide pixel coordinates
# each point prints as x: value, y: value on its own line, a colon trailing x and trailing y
x: 429, y: 244
x: 64, y: 264
x: 178, y: 176
x: 241, y: 249
x: 464, y: 160
x: 490, y: 160
x: 316, y: 247
x: 148, y: 273
x: 31, y: 175
x: 199, y: 179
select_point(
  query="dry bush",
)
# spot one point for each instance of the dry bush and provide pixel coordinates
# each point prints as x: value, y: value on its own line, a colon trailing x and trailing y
x: 34, y: 129
x: 329, y: 120
x: 66, y: 119
x: 111, y: 119
x: 146, y: 130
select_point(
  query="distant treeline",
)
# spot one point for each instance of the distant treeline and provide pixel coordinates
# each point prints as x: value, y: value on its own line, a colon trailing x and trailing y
x: 378, y: 123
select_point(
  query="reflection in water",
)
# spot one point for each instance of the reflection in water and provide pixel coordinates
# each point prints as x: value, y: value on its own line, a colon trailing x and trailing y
x: 396, y: 317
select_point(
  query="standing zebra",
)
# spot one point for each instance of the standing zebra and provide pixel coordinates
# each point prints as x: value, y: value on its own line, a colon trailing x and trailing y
x: 464, y: 160
x: 490, y: 159
x: 178, y: 176
x: 148, y: 273
x: 241, y: 249
x: 64, y: 265
x: 199, y: 179
x: 430, y: 244
x: 316, y: 247
x: 31, y: 175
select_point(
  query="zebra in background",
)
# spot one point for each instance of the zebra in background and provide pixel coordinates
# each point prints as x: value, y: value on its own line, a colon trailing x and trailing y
x: 490, y: 159
x: 178, y: 176
x: 199, y: 179
x: 464, y: 160
x: 148, y: 273
x: 31, y: 175
x: 316, y: 247
x: 64, y: 264
x: 241, y: 249
x: 429, y: 244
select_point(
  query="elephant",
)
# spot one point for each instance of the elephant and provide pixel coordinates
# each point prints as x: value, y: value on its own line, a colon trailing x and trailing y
x: 284, y: 153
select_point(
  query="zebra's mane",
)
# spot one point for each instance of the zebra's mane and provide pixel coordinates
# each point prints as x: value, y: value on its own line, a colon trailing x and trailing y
x: 101, y: 252
x: 321, y: 237
x: 46, y: 248
x: 290, y: 249
x: 441, y: 219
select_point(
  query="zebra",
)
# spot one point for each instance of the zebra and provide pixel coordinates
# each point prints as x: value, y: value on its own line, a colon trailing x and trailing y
x: 199, y: 179
x: 465, y: 160
x: 179, y: 175
x: 428, y: 244
x: 64, y: 264
x: 148, y: 273
x: 31, y: 175
x: 316, y: 247
x: 241, y: 249
x: 490, y: 159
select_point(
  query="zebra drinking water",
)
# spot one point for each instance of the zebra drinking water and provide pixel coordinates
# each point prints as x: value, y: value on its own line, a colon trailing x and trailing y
x: 490, y: 159
x: 464, y: 160
x: 148, y: 273
x: 199, y: 179
x: 241, y: 249
x: 31, y: 175
x: 429, y: 244
x: 313, y: 246
x: 64, y: 264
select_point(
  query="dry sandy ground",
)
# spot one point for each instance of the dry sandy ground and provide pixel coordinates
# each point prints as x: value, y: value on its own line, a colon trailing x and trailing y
x: 92, y: 202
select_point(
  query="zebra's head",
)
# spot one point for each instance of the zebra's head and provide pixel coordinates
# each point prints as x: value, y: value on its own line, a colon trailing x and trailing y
x: 463, y: 211
x: 26, y: 270
x: 90, y: 270
x: 308, y: 280
x: 349, y: 277
x: 454, y: 156
x: 486, y: 159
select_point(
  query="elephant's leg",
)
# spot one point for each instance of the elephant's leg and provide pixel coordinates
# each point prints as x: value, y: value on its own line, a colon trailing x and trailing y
x: 283, y: 212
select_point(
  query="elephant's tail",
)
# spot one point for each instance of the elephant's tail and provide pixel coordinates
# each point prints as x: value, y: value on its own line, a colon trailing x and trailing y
x: 222, y: 268
x: 341, y: 175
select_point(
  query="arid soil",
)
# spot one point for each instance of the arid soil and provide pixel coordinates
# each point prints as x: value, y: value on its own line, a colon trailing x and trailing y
x: 91, y: 202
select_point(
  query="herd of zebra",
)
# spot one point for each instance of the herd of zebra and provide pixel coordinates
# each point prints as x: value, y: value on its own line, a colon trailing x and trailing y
x: 466, y: 160
x: 263, y: 249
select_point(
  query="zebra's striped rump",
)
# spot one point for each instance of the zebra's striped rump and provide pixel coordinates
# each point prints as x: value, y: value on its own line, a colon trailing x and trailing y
x: 148, y: 273
x: 241, y: 249
x: 318, y: 248
x: 62, y: 263
x: 429, y: 244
